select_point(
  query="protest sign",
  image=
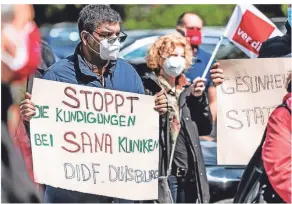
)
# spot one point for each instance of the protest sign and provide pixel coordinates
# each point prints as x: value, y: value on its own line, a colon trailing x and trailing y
x: 94, y: 140
x: 250, y: 92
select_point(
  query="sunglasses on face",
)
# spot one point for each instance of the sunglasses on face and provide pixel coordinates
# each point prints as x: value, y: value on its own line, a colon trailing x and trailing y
x: 121, y: 36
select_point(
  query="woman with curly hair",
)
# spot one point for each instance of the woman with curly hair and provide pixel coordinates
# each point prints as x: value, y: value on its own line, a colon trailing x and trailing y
x: 169, y: 57
x: 187, y: 117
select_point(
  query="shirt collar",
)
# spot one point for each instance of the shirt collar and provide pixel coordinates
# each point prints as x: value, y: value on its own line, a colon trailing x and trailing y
x: 173, y: 91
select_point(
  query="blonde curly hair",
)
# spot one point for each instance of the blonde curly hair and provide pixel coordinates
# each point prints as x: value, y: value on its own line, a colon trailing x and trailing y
x: 164, y: 46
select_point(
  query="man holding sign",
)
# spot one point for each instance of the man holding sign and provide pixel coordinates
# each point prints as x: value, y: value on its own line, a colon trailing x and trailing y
x: 95, y: 63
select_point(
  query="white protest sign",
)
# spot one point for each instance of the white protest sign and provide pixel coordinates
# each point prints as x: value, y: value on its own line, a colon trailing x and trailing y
x: 251, y: 91
x: 94, y: 140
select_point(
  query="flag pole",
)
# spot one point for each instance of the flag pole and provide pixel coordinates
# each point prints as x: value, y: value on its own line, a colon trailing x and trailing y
x: 212, y: 57
x: 227, y: 29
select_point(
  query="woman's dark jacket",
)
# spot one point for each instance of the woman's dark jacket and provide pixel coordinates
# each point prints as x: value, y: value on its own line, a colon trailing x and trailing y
x: 195, y: 121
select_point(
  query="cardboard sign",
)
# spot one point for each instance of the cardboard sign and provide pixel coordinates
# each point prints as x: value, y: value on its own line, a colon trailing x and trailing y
x: 252, y: 89
x: 94, y: 140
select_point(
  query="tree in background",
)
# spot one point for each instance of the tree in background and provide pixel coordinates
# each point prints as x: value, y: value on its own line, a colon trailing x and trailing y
x: 56, y: 13
x: 151, y: 16
x: 165, y: 16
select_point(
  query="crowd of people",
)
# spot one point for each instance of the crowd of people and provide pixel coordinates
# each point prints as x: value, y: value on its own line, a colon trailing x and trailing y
x: 185, y: 101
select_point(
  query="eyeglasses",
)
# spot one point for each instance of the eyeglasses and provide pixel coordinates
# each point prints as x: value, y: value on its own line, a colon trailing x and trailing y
x: 121, y: 37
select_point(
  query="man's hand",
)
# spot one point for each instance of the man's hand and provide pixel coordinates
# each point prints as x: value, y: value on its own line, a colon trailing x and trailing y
x: 161, y: 103
x: 27, y: 108
x: 217, y: 74
x: 198, y: 86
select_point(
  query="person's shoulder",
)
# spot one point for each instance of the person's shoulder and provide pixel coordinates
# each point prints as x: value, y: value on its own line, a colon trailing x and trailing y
x: 280, y: 114
x: 125, y: 66
x: 203, y: 52
x: 62, y: 64
x: 48, y: 56
x: 123, y: 62
x: 274, y: 47
x: 61, y: 67
x: 44, y: 43
x: 272, y: 42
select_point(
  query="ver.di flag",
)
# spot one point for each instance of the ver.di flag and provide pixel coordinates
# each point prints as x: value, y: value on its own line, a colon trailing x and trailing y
x: 248, y: 28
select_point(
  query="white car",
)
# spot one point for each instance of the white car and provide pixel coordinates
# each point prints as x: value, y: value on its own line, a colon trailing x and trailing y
x: 136, y: 52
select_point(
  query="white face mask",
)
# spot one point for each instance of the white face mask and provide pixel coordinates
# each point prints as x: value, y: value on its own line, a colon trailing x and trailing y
x: 174, y: 65
x: 107, y: 51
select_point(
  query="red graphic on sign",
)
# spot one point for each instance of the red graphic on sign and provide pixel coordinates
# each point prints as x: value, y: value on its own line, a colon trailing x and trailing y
x: 252, y: 32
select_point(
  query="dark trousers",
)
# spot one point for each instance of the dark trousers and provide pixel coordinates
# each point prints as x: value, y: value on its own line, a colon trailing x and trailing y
x: 183, y: 190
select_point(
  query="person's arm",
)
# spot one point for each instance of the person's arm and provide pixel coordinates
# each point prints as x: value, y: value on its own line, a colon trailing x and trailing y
x: 216, y: 79
x: 212, y: 102
x: 212, y: 95
x: 161, y: 102
x: 27, y: 107
x: 200, y: 113
x: 199, y: 108
x: 139, y: 84
x: 276, y: 153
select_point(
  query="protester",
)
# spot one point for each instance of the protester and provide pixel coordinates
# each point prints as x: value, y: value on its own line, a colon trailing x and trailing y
x: 190, y: 25
x: 280, y: 45
x: 276, y: 153
x: 94, y: 63
x: 189, y: 181
x: 267, y: 177
x: 22, y: 135
x: 154, y: 78
x: 168, y: 58
x: 19, y: 57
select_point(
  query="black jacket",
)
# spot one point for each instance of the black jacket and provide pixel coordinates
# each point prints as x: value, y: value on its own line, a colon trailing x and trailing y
x: 277, y: 46
x: 151, y: 86
x: 195, y: 119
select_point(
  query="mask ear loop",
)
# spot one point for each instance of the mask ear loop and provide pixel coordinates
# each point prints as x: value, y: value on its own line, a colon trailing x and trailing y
x: 87, y: 35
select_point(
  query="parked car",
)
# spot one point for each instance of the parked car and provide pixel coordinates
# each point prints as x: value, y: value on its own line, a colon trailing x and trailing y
x: 223, y: 179
x: 63, y: 38
x: 280, y: 23
x: 133, y: 35
x: 137, y: 51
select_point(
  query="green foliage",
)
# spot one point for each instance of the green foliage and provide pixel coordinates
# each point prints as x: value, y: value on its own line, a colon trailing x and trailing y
x: 284, y: 8
x: 152, y: 16
x: 165, y: 16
